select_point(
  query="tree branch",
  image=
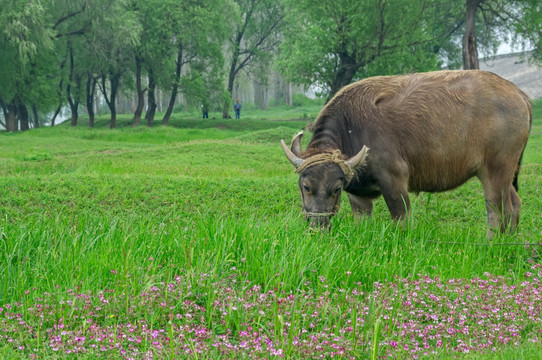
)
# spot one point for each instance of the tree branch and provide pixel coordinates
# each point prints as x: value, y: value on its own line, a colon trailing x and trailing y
x: 81, y: 31
x: 69, y: 16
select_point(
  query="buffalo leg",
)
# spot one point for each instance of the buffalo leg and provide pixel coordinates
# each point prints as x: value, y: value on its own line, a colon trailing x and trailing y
x: 393, y: 184
x: 396, y: 197
x: 499, y: 201
x: 516, y: 207
x: 398, y: 204
x: 361, y: 206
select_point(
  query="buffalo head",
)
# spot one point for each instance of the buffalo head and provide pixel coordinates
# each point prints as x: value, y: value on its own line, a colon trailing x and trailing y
x: 322, y: 177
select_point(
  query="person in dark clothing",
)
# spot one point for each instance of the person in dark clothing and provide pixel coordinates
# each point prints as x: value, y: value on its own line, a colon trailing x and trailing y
x: 205, y: 110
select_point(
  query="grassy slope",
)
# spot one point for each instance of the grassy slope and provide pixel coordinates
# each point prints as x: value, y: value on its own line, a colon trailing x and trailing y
x: 208, y: 196
x: 72, y: 180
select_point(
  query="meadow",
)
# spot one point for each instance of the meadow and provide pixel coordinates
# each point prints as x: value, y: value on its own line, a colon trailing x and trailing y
x: 188, y: 241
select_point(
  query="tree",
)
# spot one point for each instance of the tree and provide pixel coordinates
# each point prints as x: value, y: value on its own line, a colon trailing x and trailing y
x: 529, y: 30
x: 197, y: 31
x: 176, y: 39
x: 496, y: 17
x: 74, y: 89
x: 70, y: 19
x: 330, y: 43
x: 470, y: 50
x: 254, y: 39
x: 74, y: 23
x: 90, y: 89
x: 111, y: 44
x: 24, y: 36
x: 43, y: 54
x: 149, y: 51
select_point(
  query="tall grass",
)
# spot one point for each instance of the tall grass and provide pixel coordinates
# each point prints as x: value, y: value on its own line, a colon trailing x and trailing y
x: 125, y: 210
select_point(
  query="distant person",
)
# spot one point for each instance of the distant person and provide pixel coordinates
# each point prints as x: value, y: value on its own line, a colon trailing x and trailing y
x: 237, y: 109
x: 205, y: 110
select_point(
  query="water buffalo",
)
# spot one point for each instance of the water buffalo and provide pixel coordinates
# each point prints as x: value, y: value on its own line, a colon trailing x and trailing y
x: 391, y: 135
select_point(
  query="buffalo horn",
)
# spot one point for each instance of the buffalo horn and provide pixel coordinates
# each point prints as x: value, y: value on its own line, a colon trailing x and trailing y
x: 296, y: 161
x: 296, y: 144
x: 359, y: 159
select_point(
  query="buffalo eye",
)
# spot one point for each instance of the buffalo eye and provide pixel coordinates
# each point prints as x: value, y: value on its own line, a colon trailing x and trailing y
x: 337, y: 190
x: 305, y: 188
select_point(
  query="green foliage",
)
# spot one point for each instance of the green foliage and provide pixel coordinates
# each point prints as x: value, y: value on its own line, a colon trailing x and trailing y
x: 529, y: 31
x: 256, y: 31
x: 330, y: 43
x: 50, y: 48
x: 302, y: 100
x: 112, y: 39
x: 24, y: 29
x: 194, y: 31
x: 25, y: 40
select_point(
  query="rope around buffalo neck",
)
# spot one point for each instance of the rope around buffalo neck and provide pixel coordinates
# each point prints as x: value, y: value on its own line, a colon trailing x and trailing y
x: 333, y: 157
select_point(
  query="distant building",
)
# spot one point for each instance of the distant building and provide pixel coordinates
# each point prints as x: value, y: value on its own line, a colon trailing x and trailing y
x: 517, y: 69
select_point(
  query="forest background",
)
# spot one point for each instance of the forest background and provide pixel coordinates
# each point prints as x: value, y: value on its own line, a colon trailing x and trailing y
x: 63, y: 58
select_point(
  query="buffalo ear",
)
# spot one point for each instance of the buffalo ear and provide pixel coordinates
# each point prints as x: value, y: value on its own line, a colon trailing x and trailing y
x: 295, y: 160
x: 296, y: 144
x: 358, y: 160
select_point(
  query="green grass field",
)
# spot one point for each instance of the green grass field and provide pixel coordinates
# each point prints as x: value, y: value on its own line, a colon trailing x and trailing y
x: 189, y: 240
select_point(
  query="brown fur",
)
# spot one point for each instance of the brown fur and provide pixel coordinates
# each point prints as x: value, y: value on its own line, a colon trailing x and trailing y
x: 430, y: 132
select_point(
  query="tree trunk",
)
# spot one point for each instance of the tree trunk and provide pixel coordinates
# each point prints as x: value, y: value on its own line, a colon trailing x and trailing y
x: 90, y: 89
x: 74, y: 107
x: 469, y: 49
x: 59, y: 92
x: 73, y: 100
x: 151, y: 100
x: 23, y: 117
x: 11, y: 119
x: 57, y: 111
x: 231, y: 79
x: 347, y: 70
x: 35, y: 116
x: 260, y: 95
x: 113, y: 123
x: 288, y: 90
x: 115, y: 82
x: 171, y: 104
x: 4, y: 107
x: 175, y: 88
x: 111, y: 100
x: 140, y: 93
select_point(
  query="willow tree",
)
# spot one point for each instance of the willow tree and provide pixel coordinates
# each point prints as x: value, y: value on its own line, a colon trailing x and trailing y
x: 110, y: 45
x: 24, y: 37
x: 71, y: 20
